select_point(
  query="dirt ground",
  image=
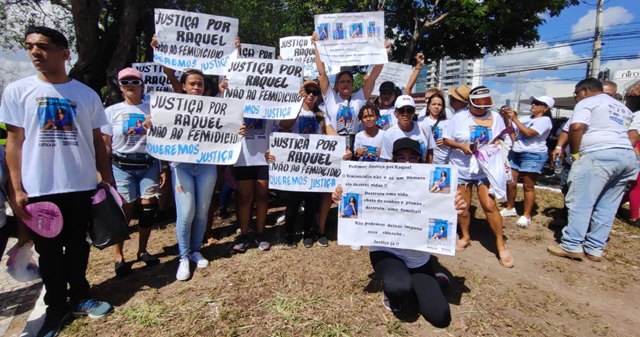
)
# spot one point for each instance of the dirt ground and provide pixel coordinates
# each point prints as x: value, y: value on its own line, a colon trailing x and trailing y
x: 332, y: 292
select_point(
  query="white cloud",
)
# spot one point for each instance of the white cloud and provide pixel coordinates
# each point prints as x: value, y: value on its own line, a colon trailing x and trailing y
x: 611, y: 16
x: 528, y: 88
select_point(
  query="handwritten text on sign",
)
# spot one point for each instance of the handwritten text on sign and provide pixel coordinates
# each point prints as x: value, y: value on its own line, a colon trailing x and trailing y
x: 300, y: 49
x: 194, y: 129
x: 393, y: 72
x: 305, y: 163
x: 154, y: 79
x: 257, y: 51
x: 269, y: 88
x: 193, y: 40
x: 351, y: 39
x: 398, y: 205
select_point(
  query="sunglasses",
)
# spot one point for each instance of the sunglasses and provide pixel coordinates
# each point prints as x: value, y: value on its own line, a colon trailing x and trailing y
x: 538, y: 103
x: 409, y: 110
x: 312, y: 92
x: 130, y: 82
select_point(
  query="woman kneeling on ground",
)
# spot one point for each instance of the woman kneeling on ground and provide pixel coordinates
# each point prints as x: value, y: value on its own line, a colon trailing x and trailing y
x: 408, y: 276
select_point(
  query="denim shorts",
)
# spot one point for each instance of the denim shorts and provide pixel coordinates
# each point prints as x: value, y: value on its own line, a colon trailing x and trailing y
x: 482, y: 181
x: 531, y: 162
x: 143, y: 183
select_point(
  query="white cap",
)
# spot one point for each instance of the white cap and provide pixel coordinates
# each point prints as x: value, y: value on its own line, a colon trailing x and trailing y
x: 404, y: 100
x: 544, y: 99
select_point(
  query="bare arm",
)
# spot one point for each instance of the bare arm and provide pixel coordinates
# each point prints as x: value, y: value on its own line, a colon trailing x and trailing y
x: 103, y: 163
x: 576, y: 131
x: 107, y: 143
x: 633, y: 137
x: 18, y: 198
x: 414, y: 75
x: 171, y: 76
x: 563, y: 139
x: 322, y: 74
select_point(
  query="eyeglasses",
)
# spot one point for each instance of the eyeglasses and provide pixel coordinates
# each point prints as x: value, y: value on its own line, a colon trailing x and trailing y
x: 538, y: 103
x: 312, y: 92
x: 129, y: 82
x: 408, y: 110
x: 403, y: 159
x: 575, y: 93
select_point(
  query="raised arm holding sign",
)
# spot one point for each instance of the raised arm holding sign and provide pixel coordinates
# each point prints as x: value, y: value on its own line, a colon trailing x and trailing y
x: 194, y: 40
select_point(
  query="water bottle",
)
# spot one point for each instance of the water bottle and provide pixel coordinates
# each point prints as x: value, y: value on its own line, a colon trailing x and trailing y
x: 557, y: 166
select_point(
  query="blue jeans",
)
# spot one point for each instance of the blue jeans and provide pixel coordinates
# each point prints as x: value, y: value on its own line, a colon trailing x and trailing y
x: 596, y: 184
x: 193, y: 186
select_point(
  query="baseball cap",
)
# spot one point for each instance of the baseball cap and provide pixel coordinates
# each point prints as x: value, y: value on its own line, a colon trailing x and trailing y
x: 544, y: 99
x: 404, y: 100
x: 406, y: 143
x: 388, y: 86
x: 129, y: 72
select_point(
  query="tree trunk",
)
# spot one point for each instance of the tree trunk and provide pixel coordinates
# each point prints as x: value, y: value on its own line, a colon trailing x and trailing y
x: 87, y: 70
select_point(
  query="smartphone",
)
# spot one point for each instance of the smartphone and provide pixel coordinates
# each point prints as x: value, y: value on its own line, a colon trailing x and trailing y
x: 473, y: 146
x: 508, y: 103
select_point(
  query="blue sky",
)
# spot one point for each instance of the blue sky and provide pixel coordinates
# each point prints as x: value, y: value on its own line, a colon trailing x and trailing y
x: 559, y: 44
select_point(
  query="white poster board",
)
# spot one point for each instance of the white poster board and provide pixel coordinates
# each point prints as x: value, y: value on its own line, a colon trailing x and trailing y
x: 154, y: 79
x: 194, y: 129
x: 257, y: 51
x: 300, y: 49
x: 351, y: 39
x: 270, y: 89
x: 189, y: 40
x: 305, y: 162
x: 409, y: 206
x: 397, y: 73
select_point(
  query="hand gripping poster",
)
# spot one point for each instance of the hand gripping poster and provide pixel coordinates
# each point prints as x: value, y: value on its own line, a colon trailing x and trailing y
x: 398, y: 205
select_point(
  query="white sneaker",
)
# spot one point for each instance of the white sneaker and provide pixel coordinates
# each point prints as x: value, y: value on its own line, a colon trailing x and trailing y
x: 523, y: 221
x: 508, y: 212
x: 199, y: 260
x: 183, y: 273
x: 356, y: 247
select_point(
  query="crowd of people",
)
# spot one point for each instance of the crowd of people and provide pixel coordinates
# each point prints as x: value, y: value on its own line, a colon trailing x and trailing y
x: 47, y: 162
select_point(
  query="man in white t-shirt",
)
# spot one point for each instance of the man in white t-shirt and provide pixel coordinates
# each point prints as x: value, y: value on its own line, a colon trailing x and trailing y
x: 53, y: 124
x: 603, y: 163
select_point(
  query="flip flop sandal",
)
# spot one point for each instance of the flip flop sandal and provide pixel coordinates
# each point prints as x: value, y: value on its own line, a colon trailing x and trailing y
x: 506, y: 259
x: 461, y: 245
x: 148, y: 259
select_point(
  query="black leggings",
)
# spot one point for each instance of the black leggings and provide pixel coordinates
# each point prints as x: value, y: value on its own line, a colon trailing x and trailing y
x: 400, y: 283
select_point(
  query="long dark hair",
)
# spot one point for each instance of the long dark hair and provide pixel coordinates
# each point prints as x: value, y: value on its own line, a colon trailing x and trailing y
x: 443, y: 113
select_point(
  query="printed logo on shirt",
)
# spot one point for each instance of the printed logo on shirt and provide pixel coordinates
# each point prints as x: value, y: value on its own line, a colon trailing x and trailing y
x: 344, y: 119
x: 480, y: 134
x: 254, y: 128
x: 437, y: 132
x: 371, y: 155
x: 132, y: 128
x: 384, y: 122
x: 617, y: 114
x: 57, y: 122
x: 307, y: 125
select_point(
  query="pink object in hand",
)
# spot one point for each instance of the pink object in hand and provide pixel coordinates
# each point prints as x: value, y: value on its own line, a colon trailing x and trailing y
x: 46, y: 219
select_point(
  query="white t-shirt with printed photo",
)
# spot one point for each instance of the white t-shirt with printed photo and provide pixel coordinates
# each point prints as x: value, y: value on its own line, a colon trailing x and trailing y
x: 537, y: 143
x: 255, y: 143
x: 394, y: 133
x: 125, y: 127
x: 463, y: 129
x: 58, y: 155
x: 306, y: 123
x: 607, y: 120
x: 342, y: 114
x: 440, y: 153
x: 372, y: 144
x: 387, y: 118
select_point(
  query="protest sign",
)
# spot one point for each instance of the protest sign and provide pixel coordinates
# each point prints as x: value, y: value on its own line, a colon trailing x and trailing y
x: 394, y: 72
x: 154, y: 79
x: 351, y: 39
x: 193, y: 40
x: 194, y: 129
x: 398, y: 205
x: 304, y: 162
x: 270, y: 89
x: 301, y: 49
x: 256, y: 51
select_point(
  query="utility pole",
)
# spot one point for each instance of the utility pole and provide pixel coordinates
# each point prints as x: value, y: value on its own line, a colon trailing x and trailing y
x: 597, y: 42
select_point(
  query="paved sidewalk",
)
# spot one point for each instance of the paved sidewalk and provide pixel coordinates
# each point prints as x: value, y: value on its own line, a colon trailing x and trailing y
x: 17, y: 300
